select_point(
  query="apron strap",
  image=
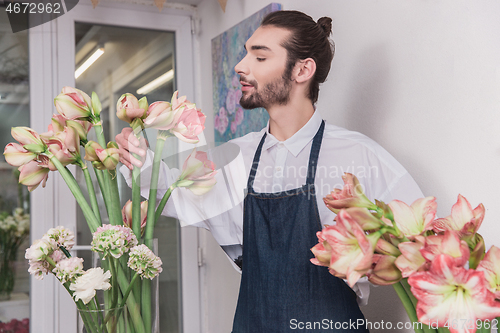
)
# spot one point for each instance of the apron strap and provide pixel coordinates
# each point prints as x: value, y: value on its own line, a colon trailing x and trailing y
x: 255, y: 163
x: 313, y: 156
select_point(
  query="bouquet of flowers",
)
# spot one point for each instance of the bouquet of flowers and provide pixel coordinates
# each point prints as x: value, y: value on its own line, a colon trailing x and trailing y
x: 124, y: 244
x: 14, y: 229
x: 437, y: 266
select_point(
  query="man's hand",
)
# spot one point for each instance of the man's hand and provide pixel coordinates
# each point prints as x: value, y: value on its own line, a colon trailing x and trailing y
x: 129, y: 144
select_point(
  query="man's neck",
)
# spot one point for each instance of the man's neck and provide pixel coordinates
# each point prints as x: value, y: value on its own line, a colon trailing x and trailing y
x: 286, y: 120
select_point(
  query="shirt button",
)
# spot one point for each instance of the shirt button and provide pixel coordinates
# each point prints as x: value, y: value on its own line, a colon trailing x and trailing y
x: 278, y: 169
x: 281, y: 145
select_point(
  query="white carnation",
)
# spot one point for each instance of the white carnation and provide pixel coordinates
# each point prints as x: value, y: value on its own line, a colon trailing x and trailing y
x: 40, y: 249
x: 86, y: 285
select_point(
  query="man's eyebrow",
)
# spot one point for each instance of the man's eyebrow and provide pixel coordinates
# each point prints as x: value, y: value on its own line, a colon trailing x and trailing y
x: 258, y: 47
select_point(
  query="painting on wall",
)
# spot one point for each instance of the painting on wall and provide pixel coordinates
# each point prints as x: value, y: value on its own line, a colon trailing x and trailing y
x: 231, y: 120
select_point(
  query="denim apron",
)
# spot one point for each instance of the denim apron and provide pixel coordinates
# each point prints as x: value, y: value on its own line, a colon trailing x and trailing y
x: 281, y: 290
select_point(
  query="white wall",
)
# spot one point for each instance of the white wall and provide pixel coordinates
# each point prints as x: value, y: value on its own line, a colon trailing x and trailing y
x: 420, y: 77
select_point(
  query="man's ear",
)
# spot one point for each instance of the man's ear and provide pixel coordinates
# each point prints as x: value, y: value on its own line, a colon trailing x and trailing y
x: 304, y: 70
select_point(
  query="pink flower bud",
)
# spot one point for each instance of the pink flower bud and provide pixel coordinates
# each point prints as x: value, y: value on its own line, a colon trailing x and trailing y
x: 16, y: 155
x: 128, y: 108
x: 127, y: 214
x: 73, y: 103
x: 198, y: 173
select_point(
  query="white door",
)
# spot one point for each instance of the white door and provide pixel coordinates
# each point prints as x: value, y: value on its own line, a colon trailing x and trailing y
x: 139, y: 43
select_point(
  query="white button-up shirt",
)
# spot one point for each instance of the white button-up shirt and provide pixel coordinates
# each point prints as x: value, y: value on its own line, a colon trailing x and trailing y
x: 283, y: 166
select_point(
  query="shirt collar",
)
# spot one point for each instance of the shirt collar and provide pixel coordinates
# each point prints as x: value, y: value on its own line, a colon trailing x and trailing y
x: 300, y: 139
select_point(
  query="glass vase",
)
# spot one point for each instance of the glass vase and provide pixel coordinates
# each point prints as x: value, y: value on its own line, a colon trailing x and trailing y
x: 104, y: 320
x: 150, y: 314
x: 7, y: 274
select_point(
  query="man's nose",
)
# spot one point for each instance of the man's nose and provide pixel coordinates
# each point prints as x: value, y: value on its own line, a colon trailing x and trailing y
x: 241, y: 67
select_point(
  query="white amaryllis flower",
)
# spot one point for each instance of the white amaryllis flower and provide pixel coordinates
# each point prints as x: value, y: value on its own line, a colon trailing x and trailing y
x: 450, y: 294
x: 144, y: 261
x: 69, y: 269
x: 114, y: 240
x: 60, y: 236
x: 40, y: 249
x: 86, y: 285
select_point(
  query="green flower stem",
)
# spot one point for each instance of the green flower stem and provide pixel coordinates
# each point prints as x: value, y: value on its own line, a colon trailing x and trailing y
x: 92, y: 196
x: 410, y: 309
x: 99, y: 313
x: 129, y: 289
x: 153, y: 190
x: 115, y: 198
x: 94, y: 312
x: 85, y: 316
x: 146, y: 304
x: 136, y: 197
x: 112, y: 196
x: 103, y: 187
x: 88, y: 320
x: 77, y: 193
x: 100, y: 135
x: 163, y: 202
x: 114, y: 299
x: 407, y: 288
x: 136, y: 201
x: 133, y: 307
x: 394, y: 231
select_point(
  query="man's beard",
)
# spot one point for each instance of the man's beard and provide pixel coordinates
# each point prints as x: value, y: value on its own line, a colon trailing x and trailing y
x: 273, y: 93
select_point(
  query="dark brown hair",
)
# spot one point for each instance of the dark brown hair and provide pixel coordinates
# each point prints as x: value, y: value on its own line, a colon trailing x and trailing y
x: 308, y: 39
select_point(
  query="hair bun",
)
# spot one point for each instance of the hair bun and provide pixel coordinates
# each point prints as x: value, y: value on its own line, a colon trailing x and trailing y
x: 326, y: 25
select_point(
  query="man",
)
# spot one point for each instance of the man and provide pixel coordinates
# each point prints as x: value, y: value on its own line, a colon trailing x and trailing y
x: 290, y: 166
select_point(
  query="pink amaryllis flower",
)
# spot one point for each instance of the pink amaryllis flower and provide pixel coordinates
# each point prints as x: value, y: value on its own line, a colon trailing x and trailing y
x: 198, y: 173
x: 463, y: 219
x: 450, y: 294
x: 59, y: 123
x: 16, y: 155
x: 352, y: 249
x: 447, y: 243
x: 364, y: 218
x: 490, y: 265
x: 33, y: 174
x: 191, y: 123
x: 415, y: 219
x: 351, y: 195
x: 26, y: 135
x: 384, y: 272
x: 101, y: 158
x: 129, y: 108
x: 127, y: 214
x: 73, y: 103
x: 167, y: 116
x: 411, y: 260
x: 322, y: 251
x: 161, y: 116
x: 65, y: 145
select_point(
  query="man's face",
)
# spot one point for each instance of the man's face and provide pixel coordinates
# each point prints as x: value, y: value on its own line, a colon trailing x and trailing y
x: 263, y: 75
